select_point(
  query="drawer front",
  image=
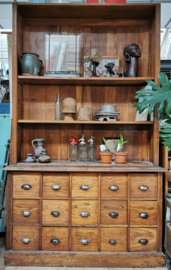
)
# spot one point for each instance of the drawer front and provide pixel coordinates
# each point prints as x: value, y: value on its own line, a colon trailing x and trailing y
x: 55, y: 239
x: 144, y: 185
x: 143, y: 213
x: 55, y: 212
x: 84, y: 212
x: 84, y: 239
x: 26, y: 184
x: 26, y: 211
x: 113, y: 239
x: 56, y: 185
x: 25, y: 238
x: 85, y: 185
x: 114, y: 186
x: 148, y: 235
x: 113, y: 212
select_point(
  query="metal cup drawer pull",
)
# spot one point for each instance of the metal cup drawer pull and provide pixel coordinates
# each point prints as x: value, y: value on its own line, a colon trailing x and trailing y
x: 55, y: 187
x: 84, y: 214
x: 143, y: 215
x: 55, y: 213
x: 113, y: 214
x: 26, y: 213
x: 84, y: 187
x: 114, y: 188
x: 55, y: 241
x: 113, y: 242
x: 143, y: 241
x: 25, y: 240
x: 84, y: 241
x: 26, y: 186
x: 143, y: 187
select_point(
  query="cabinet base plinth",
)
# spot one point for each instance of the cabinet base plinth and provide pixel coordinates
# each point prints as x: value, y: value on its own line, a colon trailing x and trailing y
x: 85, y: 259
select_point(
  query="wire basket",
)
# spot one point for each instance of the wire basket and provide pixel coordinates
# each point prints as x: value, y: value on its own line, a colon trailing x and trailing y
x: 38, y: 1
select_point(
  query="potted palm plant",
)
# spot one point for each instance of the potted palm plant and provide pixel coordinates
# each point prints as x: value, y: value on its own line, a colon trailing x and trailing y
x: 161, y: 96
x: 120, y: 156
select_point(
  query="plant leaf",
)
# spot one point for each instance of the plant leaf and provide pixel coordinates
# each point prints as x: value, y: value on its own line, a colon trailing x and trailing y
x: 165, y: 134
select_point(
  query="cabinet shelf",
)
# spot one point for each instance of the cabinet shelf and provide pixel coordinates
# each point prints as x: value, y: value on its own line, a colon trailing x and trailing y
x: 86, y: 122
x: 38, y: 80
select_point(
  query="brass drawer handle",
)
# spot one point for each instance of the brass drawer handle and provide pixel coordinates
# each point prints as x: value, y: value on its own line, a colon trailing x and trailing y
x: 55, y: 187
x: 143, y: 215
x: 143, y: 241
x: 143, y: 187
x: 84, y: 241
x: 25, y: 240
x: 55, y: 241
x: 114, y: 188
x: 26, y: 213
x: 113, y: 242
x: 113, y: 214
x: 84, y: 214
x: 26, y: 186
x: 84, y: 187
x: 55, y: 213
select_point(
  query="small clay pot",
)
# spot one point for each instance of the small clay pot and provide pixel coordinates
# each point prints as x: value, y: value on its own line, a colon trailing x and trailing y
x: 120, y: 157
x: 105, y: 157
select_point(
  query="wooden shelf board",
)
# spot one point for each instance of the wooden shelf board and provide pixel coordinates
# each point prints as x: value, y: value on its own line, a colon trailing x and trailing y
x: 67, y: 163
x: 86, y: 122
x: 82, y: 80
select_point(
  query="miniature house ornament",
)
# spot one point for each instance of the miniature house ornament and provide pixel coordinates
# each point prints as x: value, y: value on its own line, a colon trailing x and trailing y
x: 132, y: 53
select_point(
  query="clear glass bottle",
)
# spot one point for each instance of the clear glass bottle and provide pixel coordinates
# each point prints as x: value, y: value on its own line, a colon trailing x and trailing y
x: 58, y: 108
x: 82, y: 149
x: 73, y: 149
x: 91, y: 150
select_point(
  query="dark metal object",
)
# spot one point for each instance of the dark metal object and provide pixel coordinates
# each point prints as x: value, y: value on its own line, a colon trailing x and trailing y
x: 113, y: 242
x: 26, y: 213
x: 55, y: 241
x: 143, y: 215
x: 113, y: 214
x: 84, y: 241
x: 55, y: 187
x: 25, y: 240
x: 26, y: 186
x: 84, y: 187
x: 143, y: 241
x: 114, y: 188
x: 84, y: 214
x: 132, y: 53
x: 55, y: 213
x: 143, y: 187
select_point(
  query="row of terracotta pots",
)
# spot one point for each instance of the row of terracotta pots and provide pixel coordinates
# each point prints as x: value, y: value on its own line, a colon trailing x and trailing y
x: 120, y: 157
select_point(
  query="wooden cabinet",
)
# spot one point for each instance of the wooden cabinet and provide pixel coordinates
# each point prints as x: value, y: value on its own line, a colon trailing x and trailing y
x: 84, y: 214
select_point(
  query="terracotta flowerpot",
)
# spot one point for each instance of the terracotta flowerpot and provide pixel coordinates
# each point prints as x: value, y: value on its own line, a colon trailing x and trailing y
x: 105, y: 157
x: 120, y: 157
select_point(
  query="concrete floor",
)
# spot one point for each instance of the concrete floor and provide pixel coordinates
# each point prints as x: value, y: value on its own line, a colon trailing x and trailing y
x: 2, y: 266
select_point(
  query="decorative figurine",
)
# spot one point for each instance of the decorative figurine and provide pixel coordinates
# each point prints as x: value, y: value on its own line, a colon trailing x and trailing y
x: 94, y: 60
x: 115, y: 70
x: 132, y: 53
x: 73, y: 148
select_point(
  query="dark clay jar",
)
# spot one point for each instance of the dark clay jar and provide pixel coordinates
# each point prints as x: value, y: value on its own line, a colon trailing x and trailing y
x: 30, y: 64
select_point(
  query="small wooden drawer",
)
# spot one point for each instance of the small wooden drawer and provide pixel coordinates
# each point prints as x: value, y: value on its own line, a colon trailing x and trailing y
x: 55, y: 212
x: 144, y: 185
x: 143, y: 239
x: 26, y: 184
x: 114, y: 186
x: 113, y: 239
x: 55, y: 238
x: 84, y: 212
x: 56, y: 185
x: 84, y: 239
x: 25, y: 237
x: 26, y: 211
x: 85, y: 185
x: 113, y: 212
x: 143, y: 212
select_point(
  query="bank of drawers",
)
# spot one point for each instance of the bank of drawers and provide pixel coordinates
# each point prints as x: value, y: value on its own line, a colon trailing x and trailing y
x: 85, y: 209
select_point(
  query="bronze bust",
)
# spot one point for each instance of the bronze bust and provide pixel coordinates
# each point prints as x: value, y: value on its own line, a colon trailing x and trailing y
x: 132, y: 53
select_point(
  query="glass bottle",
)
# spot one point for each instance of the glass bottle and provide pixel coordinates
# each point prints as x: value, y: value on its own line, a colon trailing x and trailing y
x: 73, y: 149
x: 58, y: 108
x: 82, y: 149
x: 91, y: 150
